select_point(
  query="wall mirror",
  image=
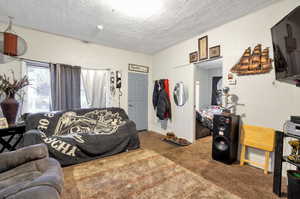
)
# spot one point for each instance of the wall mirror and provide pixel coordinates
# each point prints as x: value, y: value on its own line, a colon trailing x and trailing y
x: 180, y: 94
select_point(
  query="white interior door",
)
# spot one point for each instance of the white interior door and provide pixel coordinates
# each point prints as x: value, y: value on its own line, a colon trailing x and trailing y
x: 184, y: 116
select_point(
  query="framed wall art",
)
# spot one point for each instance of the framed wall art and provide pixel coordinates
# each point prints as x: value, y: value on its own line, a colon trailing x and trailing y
x: 138, y: 68
x: 253, y: 62
x: 193, y: 57
x: 203, y: 48
x: 215, y: 51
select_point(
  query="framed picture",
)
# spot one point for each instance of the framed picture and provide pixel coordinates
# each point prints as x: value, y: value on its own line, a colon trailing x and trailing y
x: 215, y: 51
x: 231, y: 79
x: 203, y: 47
x: 3, y: 123
x: 138, y: 68
x: 193, y: 57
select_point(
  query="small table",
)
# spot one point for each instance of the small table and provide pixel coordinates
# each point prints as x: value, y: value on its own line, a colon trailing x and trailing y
x: 259, y: 138
x: 11, y: 132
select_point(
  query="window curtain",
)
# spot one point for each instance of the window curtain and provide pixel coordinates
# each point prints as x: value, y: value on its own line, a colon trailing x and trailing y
x: 65, y: 86
x: 96, y: 84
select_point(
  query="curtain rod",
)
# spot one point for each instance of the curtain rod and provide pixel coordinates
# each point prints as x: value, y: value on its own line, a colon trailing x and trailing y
x: 82, y: 67
x: 99, y: 68
x: 25, y: 59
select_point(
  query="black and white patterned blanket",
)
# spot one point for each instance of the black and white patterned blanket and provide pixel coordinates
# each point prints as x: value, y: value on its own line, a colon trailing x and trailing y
x: 76, y: 136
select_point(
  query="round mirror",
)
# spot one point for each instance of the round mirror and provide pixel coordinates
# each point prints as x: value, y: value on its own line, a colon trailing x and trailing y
x: 180, y: 94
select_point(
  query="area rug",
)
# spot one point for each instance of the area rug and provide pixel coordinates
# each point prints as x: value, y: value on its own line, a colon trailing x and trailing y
x: 138, y: 174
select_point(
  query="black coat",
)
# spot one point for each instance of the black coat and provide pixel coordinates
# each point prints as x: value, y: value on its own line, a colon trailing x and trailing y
x: 163, y: 105
x: 155, y: 94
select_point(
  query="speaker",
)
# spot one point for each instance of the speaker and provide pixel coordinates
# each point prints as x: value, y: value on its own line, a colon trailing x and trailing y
x: 225, y: 138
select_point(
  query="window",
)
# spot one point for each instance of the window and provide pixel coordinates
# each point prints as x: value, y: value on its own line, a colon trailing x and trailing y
x: 37, y: 96
x: 38, y: 93
x: 83, y: 99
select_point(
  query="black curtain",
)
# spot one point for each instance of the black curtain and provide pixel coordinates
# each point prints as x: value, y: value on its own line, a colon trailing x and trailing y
x: 215, y: 96
x: 65, y: 86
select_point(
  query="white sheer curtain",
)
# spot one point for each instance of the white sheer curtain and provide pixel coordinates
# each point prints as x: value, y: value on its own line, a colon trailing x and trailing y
x: 96, y: 84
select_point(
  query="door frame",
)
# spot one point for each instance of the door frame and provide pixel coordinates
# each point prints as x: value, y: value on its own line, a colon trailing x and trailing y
x: 147, y: 114
x: 219, y: 62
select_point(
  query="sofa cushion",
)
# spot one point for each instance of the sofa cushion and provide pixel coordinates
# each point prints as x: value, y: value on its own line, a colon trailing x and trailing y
x: 10, y: 160
x: 18, y: 178
x: 43, y: 172
x: 44, y: 192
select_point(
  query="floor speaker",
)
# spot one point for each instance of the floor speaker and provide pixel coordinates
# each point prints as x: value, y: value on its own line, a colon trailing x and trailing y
x: 225, y: 138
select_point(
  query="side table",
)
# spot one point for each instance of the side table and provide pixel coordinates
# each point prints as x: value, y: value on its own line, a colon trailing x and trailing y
x: 11, y: 137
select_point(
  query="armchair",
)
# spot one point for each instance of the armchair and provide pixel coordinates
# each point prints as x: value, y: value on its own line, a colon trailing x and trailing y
x: 29, y: 173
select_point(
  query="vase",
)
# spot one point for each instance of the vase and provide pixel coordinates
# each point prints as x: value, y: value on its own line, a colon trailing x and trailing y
x: 10, y: 108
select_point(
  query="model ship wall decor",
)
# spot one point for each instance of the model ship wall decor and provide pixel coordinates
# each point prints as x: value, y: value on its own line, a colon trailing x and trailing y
x: 256, y: 63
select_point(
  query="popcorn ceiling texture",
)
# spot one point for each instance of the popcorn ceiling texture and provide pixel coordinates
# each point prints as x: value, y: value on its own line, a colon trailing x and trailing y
x: 177, y: 21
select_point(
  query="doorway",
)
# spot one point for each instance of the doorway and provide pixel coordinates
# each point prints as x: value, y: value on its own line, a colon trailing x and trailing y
x: 138, y: 99
x: 208, y: 98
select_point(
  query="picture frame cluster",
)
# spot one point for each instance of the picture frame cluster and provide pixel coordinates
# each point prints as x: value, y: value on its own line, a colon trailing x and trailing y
x: 204, y: 52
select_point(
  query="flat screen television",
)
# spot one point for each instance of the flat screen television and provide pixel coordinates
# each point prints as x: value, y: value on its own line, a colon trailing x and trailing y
x: 286, y: 45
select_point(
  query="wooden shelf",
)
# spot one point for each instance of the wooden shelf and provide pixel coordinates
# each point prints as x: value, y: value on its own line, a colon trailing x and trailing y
x: 208, y: 60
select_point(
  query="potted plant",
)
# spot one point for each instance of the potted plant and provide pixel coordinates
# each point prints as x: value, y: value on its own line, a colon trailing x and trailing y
x: 11, y: 88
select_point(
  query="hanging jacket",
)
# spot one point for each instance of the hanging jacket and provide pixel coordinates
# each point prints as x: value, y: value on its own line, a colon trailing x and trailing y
x: 166, y: 87
x: 163, y: 104
x: 155, y: 94
x: 168, y: 115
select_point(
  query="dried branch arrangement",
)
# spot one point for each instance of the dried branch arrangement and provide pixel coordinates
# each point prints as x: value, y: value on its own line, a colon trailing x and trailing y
x: 12, y: 86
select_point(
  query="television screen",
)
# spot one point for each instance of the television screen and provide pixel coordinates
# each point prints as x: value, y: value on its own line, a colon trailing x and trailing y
x: 286, y: 45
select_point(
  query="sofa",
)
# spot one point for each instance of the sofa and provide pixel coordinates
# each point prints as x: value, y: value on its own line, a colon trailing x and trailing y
x: 28, y: 173
x: 79, y: 135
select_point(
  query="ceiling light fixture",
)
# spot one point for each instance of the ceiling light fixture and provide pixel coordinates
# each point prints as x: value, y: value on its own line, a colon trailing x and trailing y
x: 137, y: 8
x: 100, y: 27
x: 11, y: 44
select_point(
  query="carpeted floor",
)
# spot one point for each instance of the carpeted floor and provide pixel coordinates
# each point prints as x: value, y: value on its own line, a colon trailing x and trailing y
x: 245, y: 181
x: 139, y: 174
x: 161, y: 170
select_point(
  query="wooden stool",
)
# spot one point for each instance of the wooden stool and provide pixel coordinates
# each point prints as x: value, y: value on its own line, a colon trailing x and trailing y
x: 259, y: 138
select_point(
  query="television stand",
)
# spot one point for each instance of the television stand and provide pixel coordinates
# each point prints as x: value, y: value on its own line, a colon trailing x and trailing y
x: 279, y: 159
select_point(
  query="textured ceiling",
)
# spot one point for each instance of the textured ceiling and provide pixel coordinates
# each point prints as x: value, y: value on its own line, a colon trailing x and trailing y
x: 176, y: 21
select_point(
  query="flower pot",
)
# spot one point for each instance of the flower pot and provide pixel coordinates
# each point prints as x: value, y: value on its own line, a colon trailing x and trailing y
x: 10, y: 108
x: 293, y: 184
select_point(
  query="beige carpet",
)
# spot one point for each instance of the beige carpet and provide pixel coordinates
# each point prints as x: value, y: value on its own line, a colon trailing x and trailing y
x: 244, y: 181
x: 138, y: 174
